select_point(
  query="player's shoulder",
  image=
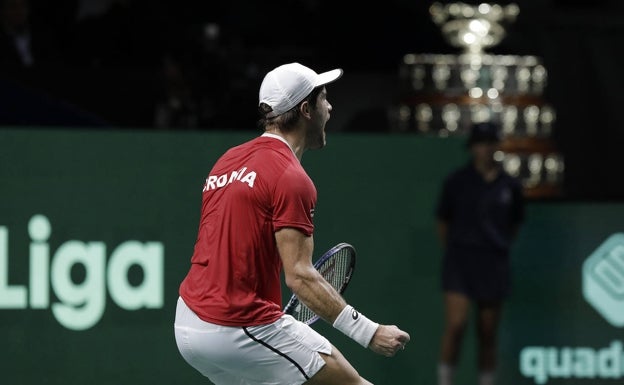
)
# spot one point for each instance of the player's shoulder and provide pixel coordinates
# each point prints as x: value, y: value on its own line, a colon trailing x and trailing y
x: 259, y: 145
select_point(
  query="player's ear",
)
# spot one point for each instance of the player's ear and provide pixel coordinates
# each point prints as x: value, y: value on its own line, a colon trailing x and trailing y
x: 304, y: 108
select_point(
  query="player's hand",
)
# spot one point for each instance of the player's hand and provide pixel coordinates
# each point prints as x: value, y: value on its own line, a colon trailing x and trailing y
x: 388, y: 340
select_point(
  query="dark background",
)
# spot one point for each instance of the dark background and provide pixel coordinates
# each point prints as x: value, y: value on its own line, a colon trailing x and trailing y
x: 154, y: 65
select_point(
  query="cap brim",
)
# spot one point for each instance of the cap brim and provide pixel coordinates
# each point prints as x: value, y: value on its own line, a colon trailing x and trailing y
x: 328, y: 77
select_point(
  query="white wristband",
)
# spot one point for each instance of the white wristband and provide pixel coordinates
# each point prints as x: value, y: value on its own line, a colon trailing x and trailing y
x: 356, y: 325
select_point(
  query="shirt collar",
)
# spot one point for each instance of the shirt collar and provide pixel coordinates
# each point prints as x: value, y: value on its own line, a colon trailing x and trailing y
x: 269, y: 135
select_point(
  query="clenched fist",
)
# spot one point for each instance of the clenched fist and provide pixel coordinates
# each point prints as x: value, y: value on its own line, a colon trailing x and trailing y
x: 388, y: 340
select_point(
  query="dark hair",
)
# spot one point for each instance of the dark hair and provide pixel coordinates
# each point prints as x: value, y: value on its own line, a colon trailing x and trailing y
x: 288, y: 119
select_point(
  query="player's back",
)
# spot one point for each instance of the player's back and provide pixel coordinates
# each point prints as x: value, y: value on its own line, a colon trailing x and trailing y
x: 235, y: 273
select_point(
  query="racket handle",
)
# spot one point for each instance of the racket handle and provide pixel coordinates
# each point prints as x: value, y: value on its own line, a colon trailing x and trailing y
x: 356, y: 325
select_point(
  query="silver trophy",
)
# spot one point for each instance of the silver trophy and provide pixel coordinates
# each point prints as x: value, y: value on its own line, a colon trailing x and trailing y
x: 473, y: 28
x: 444, y: 94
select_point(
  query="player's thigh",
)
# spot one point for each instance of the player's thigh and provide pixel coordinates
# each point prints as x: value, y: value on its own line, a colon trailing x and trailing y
x: 283, y: 352
x: 337, y: 371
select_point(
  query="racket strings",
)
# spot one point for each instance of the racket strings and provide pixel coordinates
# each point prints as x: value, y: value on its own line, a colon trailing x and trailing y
x: 337, y: 271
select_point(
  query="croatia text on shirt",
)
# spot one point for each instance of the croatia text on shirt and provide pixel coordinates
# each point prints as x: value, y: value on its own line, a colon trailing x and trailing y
x: 242, y: 175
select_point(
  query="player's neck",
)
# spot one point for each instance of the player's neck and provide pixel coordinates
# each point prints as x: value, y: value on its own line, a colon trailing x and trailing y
x: 293, y: 138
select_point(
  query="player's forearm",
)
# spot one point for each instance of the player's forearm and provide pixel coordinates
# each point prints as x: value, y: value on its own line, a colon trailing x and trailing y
x: 302, y: 278
x: 316, y: 293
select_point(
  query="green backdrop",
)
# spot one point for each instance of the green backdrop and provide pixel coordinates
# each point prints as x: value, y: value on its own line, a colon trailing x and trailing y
x: 97, y: 227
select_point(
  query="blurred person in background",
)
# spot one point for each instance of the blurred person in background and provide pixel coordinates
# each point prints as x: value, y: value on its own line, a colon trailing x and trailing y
x: 479, y: 212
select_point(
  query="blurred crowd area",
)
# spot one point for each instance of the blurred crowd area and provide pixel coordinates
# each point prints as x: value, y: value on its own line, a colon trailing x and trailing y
x: 197, y: 64
x: 174, y: 64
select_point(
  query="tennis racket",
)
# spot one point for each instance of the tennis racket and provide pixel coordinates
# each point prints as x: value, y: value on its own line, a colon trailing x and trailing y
x: 336, y: 266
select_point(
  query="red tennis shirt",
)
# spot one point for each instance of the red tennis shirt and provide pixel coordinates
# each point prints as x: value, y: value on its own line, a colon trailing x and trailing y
x: 253, y: 190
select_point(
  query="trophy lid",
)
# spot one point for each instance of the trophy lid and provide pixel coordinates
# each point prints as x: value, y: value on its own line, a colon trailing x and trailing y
x: 473, y: 28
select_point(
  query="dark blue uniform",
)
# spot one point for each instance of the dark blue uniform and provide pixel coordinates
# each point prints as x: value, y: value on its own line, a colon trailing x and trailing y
x: 481, y: 218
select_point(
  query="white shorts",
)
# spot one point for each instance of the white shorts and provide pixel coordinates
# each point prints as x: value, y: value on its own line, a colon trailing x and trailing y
x: 284, y: 352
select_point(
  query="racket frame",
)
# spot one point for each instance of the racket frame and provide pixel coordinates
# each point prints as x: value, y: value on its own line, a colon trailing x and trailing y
x: 293, y: 302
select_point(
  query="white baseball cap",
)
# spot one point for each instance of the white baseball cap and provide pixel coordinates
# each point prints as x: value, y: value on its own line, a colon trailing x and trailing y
x: 287, y: 85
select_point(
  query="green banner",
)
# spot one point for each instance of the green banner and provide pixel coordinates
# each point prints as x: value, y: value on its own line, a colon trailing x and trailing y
x: 97, y: 228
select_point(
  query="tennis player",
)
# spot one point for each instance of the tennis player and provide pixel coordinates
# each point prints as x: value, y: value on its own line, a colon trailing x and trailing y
x: 257, y: 221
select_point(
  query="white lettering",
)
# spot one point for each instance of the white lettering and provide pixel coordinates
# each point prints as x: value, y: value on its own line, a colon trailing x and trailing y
x: 532, y: 364
x: 11, y: 297
x: 214, y: 181
x: 39, y: 230
x: 210, y: 183
x: 221, y: 180
x: 249, y: 178
x: 542, y: 363
x: 560, y: 367
x: 241, y: 172
x: 233, y: 177
x: 82, y: 304
x: 610, y: 361
x: 585, y: 365
x: 149, y: 293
